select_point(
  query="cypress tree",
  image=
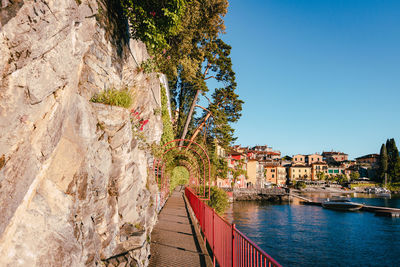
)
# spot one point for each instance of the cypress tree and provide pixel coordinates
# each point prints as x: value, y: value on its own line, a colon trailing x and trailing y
x: 383, y: 162
x: 393, y: 160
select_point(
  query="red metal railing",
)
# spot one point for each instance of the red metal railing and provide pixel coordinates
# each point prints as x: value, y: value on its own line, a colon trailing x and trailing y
x: 230, y: 247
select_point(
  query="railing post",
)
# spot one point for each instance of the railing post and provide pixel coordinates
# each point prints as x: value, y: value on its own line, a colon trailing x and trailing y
x: 233, y: 244
x: 204, y: 224
x: 213, y: 237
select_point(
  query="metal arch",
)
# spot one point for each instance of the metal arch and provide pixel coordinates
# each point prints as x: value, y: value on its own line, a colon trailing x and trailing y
x: 162, y: 174
x: 197, y: 157
x: 204, y: 171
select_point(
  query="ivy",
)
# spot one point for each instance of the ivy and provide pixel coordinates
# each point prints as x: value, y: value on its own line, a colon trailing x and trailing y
x: 154, y: 21
x: 168, y: 133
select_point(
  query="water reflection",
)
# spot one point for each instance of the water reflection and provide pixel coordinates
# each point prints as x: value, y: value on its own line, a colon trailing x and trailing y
x: 299, y: 235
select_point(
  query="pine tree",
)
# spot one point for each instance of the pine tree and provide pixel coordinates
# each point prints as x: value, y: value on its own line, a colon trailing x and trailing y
x: 383, y: 163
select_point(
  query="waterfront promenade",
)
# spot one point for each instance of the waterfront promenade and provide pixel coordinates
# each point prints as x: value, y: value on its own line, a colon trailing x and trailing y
x: 175, y: 241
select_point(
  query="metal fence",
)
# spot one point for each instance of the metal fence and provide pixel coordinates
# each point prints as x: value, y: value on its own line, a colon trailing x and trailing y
x: 230, y: 247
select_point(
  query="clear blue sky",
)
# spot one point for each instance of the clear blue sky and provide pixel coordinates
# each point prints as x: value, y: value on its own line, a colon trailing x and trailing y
x: 317, y: 75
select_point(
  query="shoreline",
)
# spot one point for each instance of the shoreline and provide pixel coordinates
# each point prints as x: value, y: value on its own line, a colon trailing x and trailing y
x: 326, y: 190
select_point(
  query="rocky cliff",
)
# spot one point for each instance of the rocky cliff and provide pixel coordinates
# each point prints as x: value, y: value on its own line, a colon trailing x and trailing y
x: 74, y: 179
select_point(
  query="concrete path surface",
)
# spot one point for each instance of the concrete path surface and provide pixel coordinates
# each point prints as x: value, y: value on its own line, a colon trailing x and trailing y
x: 175, y: 241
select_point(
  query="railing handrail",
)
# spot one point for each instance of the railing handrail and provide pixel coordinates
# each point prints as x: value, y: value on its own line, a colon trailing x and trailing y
x: 233, y: 249
x: 274, y: 262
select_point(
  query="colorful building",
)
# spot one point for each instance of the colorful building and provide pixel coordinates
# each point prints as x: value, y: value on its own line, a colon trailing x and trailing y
x: 369, y: 159
x: 318, y: 167
x: 310, y: 159
x: 333, y: 157
x: 299, y: 159
x: 299, y: 172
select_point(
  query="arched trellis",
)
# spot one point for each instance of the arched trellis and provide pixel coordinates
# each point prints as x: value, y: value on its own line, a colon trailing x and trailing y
x: 190, y: 155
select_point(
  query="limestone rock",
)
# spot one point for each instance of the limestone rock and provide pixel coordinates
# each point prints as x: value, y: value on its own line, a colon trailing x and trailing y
x: 74, y: 180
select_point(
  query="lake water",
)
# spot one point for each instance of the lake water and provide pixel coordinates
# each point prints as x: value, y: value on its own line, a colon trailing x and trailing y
x: 300, y: 235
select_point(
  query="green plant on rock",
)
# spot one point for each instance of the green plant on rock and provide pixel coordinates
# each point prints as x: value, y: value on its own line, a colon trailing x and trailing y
x: 114, y: 97
x: 148, y: 66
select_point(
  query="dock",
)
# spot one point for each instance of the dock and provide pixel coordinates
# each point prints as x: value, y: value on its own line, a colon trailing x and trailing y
x: 379, y: 211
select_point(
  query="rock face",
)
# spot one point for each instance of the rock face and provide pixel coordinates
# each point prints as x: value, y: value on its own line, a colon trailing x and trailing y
x: 74, y: 179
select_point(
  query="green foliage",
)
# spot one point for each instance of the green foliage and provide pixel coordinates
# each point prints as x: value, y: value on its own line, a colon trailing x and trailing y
x: 114, y: 97
x: 148, y: 66
x: 218, y: 200
x: 180, y: 176
x: 300, y: 185
x: 362, y: 185
x: 389, y: 162
x: 154, y: 21
x: 321, y: 176
x: 341, y: 179
x: 168, y: 132
x: 394, y: 187
x: 354, y: 176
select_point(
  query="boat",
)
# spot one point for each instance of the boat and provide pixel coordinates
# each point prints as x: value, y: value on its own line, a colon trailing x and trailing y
x: 383, y: 193
x: 341, y: 204
x: 379, y: 191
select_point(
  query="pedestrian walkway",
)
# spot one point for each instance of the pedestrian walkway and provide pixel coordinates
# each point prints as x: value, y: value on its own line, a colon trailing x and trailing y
x: 174, y: 240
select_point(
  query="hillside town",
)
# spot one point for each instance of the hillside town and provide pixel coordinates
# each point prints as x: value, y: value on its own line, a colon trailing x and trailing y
x: 261, y: 167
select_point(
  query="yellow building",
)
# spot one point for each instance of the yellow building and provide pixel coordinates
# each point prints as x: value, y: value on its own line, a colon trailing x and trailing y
x: 252, y: 167
x: 310, y: 159
x: 299, y: 159
x: 318, y: 167
x: 299, y: 172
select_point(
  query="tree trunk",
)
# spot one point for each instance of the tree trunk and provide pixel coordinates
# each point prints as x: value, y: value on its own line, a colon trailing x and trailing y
x: 189, y: 117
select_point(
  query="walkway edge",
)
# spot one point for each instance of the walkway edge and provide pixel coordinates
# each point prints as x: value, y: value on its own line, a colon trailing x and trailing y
x: 198, y: 233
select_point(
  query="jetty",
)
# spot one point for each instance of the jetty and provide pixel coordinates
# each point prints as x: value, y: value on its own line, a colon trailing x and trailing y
x: 379, y: 211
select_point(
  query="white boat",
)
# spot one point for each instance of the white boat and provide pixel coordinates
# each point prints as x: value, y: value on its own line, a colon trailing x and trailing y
x: 383, y: 193
x: 341, y: 204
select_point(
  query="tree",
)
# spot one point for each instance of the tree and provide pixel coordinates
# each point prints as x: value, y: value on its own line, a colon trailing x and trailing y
x: 393, y: 168
x: 383, y: 162
x: 225, y: 105
x: 341, y: 179
x: 321, y: 176
x: 354, y: 175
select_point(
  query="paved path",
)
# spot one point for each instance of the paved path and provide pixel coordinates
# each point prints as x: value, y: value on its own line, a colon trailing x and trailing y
x: 174, y: 239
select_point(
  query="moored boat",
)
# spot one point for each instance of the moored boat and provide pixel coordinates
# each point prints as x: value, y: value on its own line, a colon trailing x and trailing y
x: 341, y: 204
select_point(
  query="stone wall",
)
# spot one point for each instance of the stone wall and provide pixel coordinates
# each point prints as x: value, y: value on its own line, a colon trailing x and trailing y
x: 273, y: 194
x: 74, y: 179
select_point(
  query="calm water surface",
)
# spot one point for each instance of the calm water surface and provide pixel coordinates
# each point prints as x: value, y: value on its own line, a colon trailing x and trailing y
x: 299, y: 235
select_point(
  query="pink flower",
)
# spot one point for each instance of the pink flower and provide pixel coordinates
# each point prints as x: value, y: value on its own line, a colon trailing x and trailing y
x: 144, y: 122
x: 169, y: 57
x: 164, y: 51
x: 153, y: 13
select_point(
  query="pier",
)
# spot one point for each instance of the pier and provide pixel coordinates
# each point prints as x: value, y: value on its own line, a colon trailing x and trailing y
x: 379, y: 211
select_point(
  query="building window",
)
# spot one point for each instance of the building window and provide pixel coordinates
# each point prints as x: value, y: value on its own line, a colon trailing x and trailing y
x: 273, y: 176
x: 295, y: 159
